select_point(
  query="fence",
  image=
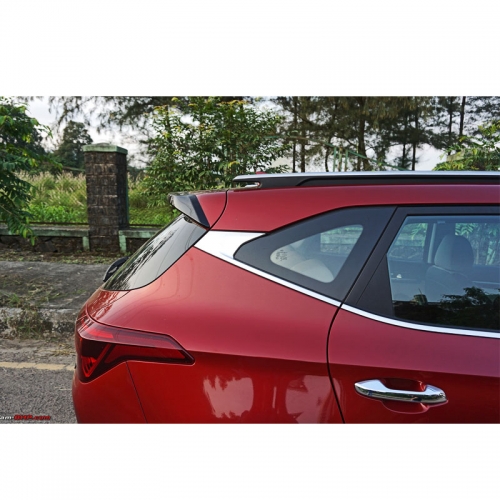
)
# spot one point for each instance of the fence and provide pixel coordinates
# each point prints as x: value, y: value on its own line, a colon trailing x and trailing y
x: 92, y: 210
x: 62, y: 199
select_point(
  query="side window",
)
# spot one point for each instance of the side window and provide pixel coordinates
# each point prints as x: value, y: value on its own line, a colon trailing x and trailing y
x: 445, y: 270
x: 410, y: 244
x: 324, y: 253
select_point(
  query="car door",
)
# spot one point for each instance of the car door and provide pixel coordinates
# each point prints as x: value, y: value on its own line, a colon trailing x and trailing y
x: 417, y: 339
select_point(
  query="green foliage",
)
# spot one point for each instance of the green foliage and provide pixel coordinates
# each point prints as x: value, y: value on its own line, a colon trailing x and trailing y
x: 140, y: 211
x: 18, y: 132
x: 120, y: 111
x: 480, y: 152
x: 382, y: 130
x: 70, y: 149
x: 370, y: 126
x: 63, y: 199
x: 210, y: 144
x: 132, y: 115
x: 58, y: 199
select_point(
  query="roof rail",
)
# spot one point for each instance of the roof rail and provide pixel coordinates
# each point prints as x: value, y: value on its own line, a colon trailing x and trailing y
x: 340, y: 178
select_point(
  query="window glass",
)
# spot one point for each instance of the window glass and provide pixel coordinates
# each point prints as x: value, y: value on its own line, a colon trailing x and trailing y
x: 321, y: 256
x: 324, y: 253
x: 409, y: 244
x: 446, y: 271
x: 156, y: 255
x: 340, y: 241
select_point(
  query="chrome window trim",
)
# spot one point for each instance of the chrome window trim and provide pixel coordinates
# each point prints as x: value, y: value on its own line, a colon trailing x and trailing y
x: 224, y: 244
x: 421, y: 326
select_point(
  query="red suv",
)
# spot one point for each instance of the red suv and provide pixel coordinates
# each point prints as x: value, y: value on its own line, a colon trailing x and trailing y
x: 346, y: 297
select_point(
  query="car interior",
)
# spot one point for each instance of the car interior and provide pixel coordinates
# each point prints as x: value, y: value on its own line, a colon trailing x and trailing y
x: 446, y: 266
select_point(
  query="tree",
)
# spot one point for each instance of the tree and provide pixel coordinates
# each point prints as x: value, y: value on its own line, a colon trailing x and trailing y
x: 481, y: 110
x: 18, y: 132
x: 109, y: 111
x: 132, y: 115
x: 70, y: 149
x: 206, y: 148
x: 404, y: 129
x: 479, y: 152
x: 301, y: 124
x: 459, y: 116
x: 446, y: 110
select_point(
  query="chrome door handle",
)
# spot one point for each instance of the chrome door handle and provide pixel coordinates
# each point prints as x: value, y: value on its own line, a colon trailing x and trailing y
x: 376, y: 389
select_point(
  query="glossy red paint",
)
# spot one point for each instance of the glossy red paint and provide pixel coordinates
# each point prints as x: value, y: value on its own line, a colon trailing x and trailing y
x: 466, y: 368
x: 110, y: 398
x: 281, y: 323
x: 266, y: 210
x: 213, y: 204
x: 275, y: 347
x: 235, y: 389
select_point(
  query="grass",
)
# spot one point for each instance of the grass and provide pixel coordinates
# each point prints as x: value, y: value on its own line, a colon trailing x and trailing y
x: 63, y: 199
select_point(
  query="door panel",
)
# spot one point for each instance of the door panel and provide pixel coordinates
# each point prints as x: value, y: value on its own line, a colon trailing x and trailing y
x: 466, y: 368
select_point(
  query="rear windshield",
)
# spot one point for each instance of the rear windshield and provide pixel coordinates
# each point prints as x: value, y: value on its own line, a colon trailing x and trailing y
x: 156, y: 255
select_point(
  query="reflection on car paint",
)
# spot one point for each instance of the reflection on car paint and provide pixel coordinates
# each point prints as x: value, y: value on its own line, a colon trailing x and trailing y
x: 296, y: 400
x: 229, y: 398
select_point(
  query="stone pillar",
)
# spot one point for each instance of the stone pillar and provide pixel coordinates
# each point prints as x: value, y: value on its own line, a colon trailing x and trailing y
x: 107, y: 194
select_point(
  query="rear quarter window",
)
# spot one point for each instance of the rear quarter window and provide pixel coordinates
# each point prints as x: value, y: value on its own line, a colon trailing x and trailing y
x: 324, y: 253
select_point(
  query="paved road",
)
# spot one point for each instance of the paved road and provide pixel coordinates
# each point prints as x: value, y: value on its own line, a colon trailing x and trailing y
x: 35, y: 374
x: 30, y: 394
x: 35, y: 380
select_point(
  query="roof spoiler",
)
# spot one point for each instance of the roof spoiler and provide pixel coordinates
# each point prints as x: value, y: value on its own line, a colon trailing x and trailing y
x: 189, y: 205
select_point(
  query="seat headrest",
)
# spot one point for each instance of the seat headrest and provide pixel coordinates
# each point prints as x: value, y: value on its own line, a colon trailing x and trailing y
x: 454, y: 254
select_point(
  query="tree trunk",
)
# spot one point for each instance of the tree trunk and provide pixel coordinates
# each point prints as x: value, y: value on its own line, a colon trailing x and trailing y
x: 462, y: 116
x: 294, y: 151
x: 361, y: 135
x: 450, y: 111
x: 415, y: 141
x: 327, y: 154
x: 302, y: 156
x: 303, y: 142
x: 362, y: 146
x: 403, y: 161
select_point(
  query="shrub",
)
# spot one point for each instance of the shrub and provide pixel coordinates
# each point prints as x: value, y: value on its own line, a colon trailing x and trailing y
x: 62, y: 199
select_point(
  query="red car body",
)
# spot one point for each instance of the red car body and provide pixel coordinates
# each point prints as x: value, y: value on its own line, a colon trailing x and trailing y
x: 219, y: 338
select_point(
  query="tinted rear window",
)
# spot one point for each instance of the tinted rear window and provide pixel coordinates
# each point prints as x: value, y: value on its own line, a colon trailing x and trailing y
x: 156, y: 255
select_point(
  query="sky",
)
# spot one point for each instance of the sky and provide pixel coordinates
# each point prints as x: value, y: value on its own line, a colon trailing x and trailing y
x: 40, y: 109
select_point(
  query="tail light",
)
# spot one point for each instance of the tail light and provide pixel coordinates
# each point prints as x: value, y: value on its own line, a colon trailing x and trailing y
x: 100, y: 347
